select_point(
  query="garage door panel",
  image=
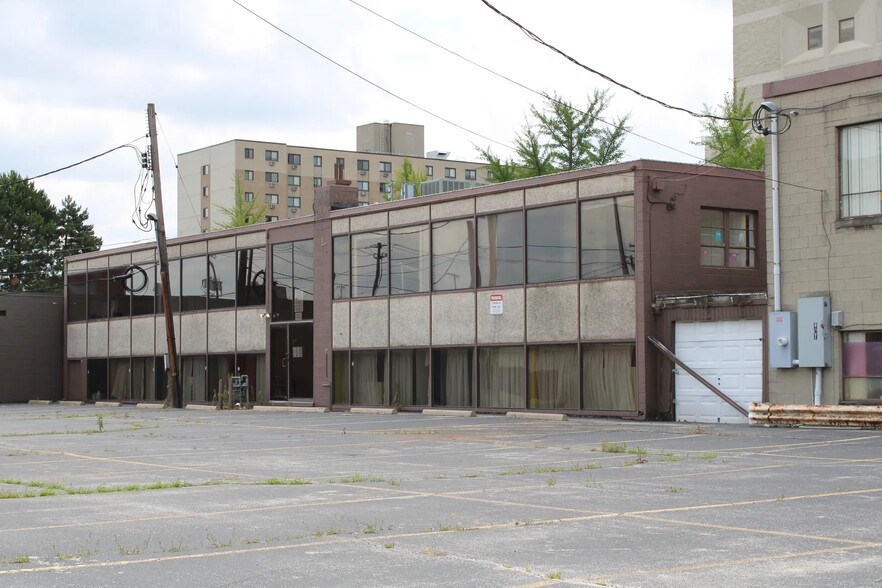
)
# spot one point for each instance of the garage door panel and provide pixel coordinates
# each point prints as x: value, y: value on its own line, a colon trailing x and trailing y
x: 729, y: 355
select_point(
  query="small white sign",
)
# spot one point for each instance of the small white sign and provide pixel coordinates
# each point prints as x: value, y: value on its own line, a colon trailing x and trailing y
x: 496, y: 304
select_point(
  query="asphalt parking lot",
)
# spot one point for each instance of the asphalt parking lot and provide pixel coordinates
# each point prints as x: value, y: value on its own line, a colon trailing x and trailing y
x: 95, y: 496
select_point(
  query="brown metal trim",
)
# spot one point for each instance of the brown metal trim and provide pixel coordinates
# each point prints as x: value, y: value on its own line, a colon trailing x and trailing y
x: 824, y: 79
x: 667, y: 353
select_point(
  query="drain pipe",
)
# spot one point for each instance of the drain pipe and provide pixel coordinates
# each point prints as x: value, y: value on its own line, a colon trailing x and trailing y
x: 776, y: 228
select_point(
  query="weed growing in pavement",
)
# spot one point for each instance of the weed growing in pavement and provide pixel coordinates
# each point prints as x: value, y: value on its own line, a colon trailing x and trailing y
x: 607, y: 447
x: 674, y: 490
x: 100, y: 423
x: 137, y: 549
x: 707, y: 456
x: 217, y: 544
x: 554, y: 576
x: 388, y: 545
x: 433, y: 551
x: 283, y: 482
x: 668, y: 456
x: 16, y: 559
x: 369, y: 529
x: 550, y: 482
x: 331, y: 531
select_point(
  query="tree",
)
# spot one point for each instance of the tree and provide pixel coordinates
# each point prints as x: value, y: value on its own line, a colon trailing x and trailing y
x: 243, y: 213
x: 558, y: 136
x: 74, y: 234
x: 731, y: 142
x: 406, y: 174
x: 30, y: 250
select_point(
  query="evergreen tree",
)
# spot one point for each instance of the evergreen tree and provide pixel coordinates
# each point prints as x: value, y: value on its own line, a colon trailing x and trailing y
x: 75, y: 235
x: 731, y: 142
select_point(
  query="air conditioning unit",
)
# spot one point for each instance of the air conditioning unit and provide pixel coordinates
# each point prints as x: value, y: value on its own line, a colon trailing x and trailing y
x: 362, y: 193
x: 272, y: 206
x: 271, y: 184
x: 362, y: 173
x: 293, y: 166
x: 272, y: 162
x: 385, y: 174
x: 293, y: 188
x: 293, y: 209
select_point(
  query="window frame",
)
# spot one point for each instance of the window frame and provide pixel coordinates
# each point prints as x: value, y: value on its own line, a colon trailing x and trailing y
x: 852, y: 202
x: 271, y: 155
x: 449, y: 173
x: 750, y: 249
x: 293, y: 159
x: 249, y: 153
x: 815, y: 37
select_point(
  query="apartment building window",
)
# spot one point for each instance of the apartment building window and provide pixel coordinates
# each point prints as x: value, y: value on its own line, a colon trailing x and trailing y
x: 862, y: 365
x: 815, y: 37
x: 450, y: 173
x: 293, y: 180
x: 341, y: 161
x: 293, y: 201
x: 364, y: 165
x: 728, y: 238
x: 205, y: 191
x: 363, y: 186
x: 316, y: 160
x: 249, y: 196
x: 471, y: 174
x: 846, y: 30
x: 272, y: 198
x: 293, y: 159
x: 272, y: 177
x: 860, y: 170
x: 386, y: 167
x: 316, y: 182
x: 272, y: 155
x: 271, y: 218
x: 249, y: 174
x: 205, y: 213
x: 204, y: 170
x: 430, y: 171
x: 385, y: 188
x: 489, y: 175
x: 249, y: 153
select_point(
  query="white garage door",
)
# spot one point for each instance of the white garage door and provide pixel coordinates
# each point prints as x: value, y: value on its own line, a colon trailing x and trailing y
x: 729, y: 355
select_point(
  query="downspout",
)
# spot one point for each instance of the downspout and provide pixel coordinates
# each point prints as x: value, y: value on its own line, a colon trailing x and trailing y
x: 776, y: 228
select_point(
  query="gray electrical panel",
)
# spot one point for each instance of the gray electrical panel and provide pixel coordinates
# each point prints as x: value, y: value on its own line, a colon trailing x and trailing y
x: 782, y: 339
x: 815, y: 340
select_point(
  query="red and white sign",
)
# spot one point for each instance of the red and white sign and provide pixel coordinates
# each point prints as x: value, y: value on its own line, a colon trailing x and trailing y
x: 496, y: 304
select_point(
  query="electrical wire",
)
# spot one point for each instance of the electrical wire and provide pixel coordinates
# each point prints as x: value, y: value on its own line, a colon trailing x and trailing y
x: 72, y: 165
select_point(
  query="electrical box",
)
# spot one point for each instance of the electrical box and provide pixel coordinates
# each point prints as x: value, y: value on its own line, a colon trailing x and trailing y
x: 782, y: 339
x: 815, y: 340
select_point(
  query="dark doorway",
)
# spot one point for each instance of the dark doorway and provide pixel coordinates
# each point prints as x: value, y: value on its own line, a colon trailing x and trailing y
x: 96, y: 379
x: 291, y: 361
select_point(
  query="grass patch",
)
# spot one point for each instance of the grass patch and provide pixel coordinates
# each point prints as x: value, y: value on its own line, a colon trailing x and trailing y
x: 550, y: 482
x: 17, y: 559
x: 470, y: 475
x: 134, y: 427
x: 136, y: 550
x: 674, y: 490
x: 388, y: 545
x: 283, y: 482
x: 668, y: 456
x: 369, y: 529
x: 607, y: 447
x: 457, y: 527
x: 433, y: 551
x: 218, y: 544
x: 707, y: 457
x: 554, y: 576
x: 328, y: 532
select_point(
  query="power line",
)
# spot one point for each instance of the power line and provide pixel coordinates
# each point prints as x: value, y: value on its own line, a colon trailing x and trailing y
x: 66, y: 167
x: 366, y: 80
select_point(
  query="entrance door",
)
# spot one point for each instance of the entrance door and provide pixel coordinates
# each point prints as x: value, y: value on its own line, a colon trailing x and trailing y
x: 729, y: 355
x: 291, y: 361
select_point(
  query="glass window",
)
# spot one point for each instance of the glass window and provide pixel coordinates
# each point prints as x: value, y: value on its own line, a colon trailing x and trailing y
x: 364, y: 186
x: 293, y: 280
x: 271, y: 198
x: 249, y: 174
x: 453, y: 255
x: 118, y: 295
x: 385, y: 188
x: 293, y: 180
x: 271, y: 176
x: 144, y: 289
x: 368, y: 378
x: 364, y: 165
x: 120, y: 383
x: 194, y: 379
x: 452, y: 377
x: 501, y: 377
x: 386, y: 167
x: 272, y: 155
x: 409, y: 377
x: 205, y: 212
x: 553, y: 376
x: 249, y: 153
x: 271, y: 218
x: 221, y: 282
x: 293, y: 201
x: 369, y: 275
x: 76, y: 297
x: 317, y: 160
x: 249, y: 196
x: 430, y: 171
x: 341, y: 267
x: 205, y: 191
x: 815, y: 37
x: 409, y: 258
x: 471, y: 174
x: 553, y: 244
x: 147, y: 375
x: 609, y: 377
x: 221, y: 367
x: 862, y: 366
x: 194, y: 283
x: 450, y: 173
x: 98, y: 294
x: 174, y: 287
x: 860, y: 170
x: 341, y: 161
x: 608, y: 238
x: 251, y: 277
x: 734, y: 246
x: 294, y: 159
x: 204, y: 170
x: 846, y: 30
x: 501, y: 249
x: 341, y: 377
x: 316, y: 182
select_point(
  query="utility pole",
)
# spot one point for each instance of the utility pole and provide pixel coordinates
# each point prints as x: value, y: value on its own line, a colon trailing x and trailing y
x: 173, y: 397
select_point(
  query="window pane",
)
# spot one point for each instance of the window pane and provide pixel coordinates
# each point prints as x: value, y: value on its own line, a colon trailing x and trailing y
x: 194, y: 283
x: 221, y: 367
x: 369, y: 378
x: 97, y: 294
x: 221, y: 283
x: 815, y: 37
x: 609, y: 376
x: 144, y: 379
x: 453, y: 255
x: 174, y: 287
x: 303, y: 278
x: 282, y: 283
x: 861, y: 169
x: 341, y: 267
x: 76, y: 297
x: 193, y: 379
x: 452, y: 377
x: 294, y: 158
x: 251, y: 277
x: 862, y: 365
x: 501, y: 377
x: 713, y: 256
x: 607, y: 238
x: 553, y: 376
x: 369, y: 274
x: 409, y: 377
x: 409, y: 260
x: 711, y: 227
x: 846, y: 30
x: 552, y: 244
x: 501, y: 249
x: 341, y: 377
x: 120, y: 384
x: 120, y: 301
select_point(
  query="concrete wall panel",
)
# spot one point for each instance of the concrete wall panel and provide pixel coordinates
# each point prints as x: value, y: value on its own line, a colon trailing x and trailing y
x: 145, y: 256
x: 464, y: 207
x: 193, y: 249
x: 250, y: 330
x: 120, y: 338
x: 143, y: 333
x: 250, y: 240
x: 341, y: 324
x: 340, y: 226
x: 193, y: 333
x: 225, y: 244
x: 97, y: 338
x: 410, y: 319
x: 75, y: 267
x: 120, y: 260
x: 507, y: 327
x: 608, y: 310
x: 222, y: 332
x: 550, y: 194
x: 552, y: 313
x: 408, y: 216
x: 453, y: 319
x: 369, y: 222
x: 370, y: 323
x: 97, y: 263
x: 606, y: 185
x: 504, y: 201
x: 76, y: 340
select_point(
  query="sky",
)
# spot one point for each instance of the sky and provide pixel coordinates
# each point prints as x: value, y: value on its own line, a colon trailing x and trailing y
x: 76, y: 78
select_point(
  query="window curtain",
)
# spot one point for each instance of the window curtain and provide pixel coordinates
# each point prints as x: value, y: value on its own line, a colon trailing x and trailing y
x: 861, y: 169
x: 193, y: 378
x: 554, y: 377
x: 368, y: 382
x: 143, y: 379
x: 119, y: 379
x: 501, y: 377
x: 458, y: 377
x: 609, y: 377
